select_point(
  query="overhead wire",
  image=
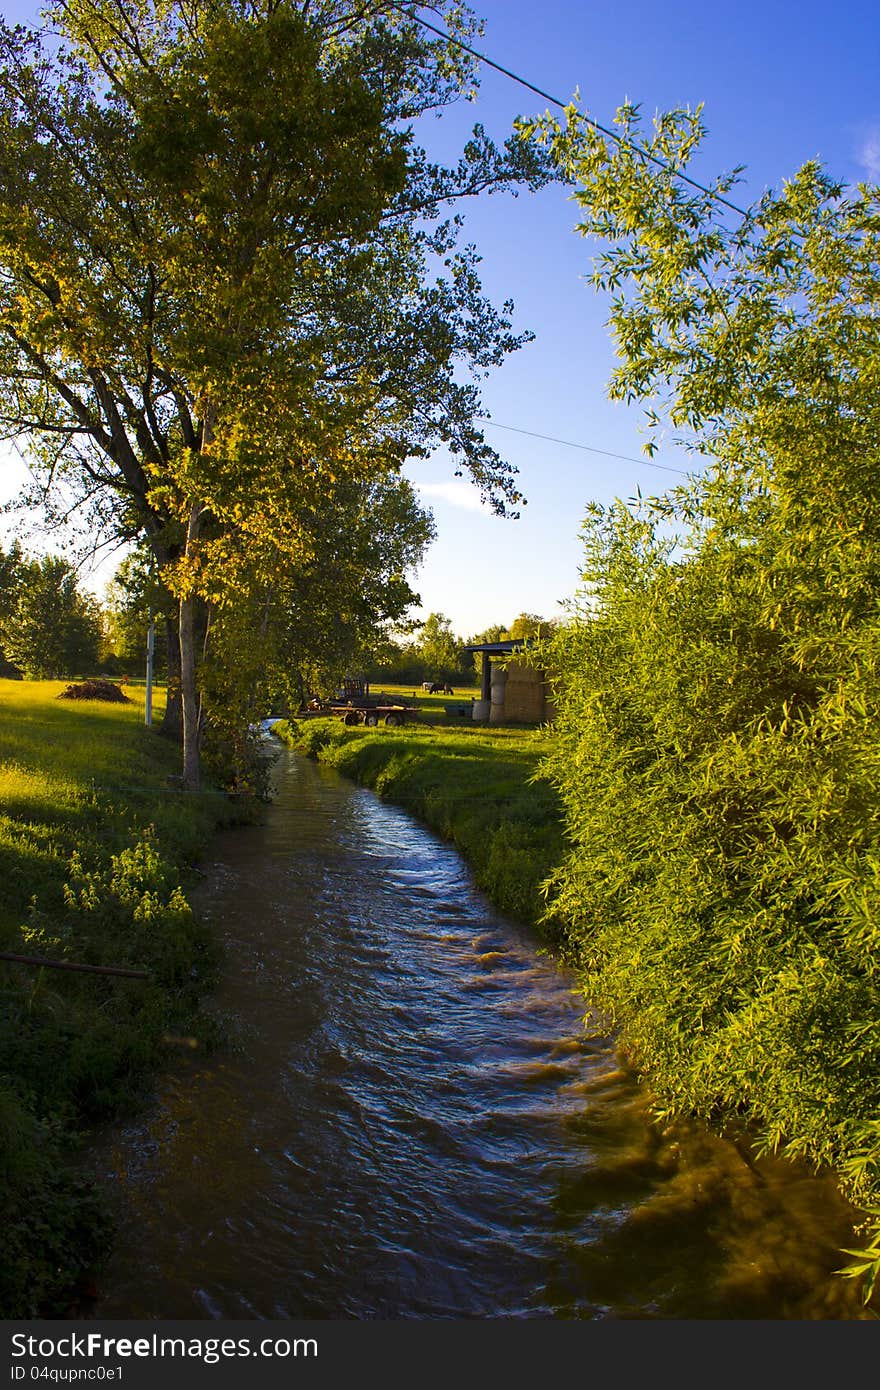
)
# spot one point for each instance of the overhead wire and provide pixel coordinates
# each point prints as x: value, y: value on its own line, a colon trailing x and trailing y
x: 589, y: 448
x: 613, y: 135
x: 556, y: 101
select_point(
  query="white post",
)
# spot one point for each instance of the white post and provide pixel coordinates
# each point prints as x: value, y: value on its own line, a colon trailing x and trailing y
x: 148, y: 706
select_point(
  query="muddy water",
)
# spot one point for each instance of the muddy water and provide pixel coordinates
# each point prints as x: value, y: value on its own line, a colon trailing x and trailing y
x: 416, y: 1123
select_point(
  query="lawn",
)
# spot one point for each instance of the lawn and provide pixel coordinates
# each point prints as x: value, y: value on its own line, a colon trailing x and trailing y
x: 433, y: 708
x: 73, y: 776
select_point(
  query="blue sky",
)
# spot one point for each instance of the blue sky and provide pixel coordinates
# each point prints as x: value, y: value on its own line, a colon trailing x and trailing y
x: 781, y: 82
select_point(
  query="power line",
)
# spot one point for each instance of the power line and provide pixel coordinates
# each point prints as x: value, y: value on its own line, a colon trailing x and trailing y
x: 612, y: 134
x: 589, y: 448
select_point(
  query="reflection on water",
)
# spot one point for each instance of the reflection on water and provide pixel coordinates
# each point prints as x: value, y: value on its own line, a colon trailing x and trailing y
x: 416, y: 1122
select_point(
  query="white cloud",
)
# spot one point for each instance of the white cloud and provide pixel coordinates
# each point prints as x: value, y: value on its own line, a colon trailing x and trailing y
x: 869, y: 154
x: 455, y: 494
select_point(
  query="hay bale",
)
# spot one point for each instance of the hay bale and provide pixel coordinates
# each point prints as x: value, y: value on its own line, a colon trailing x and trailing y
x: 521, y: 672
x: 525, y: 696
x: 524, y: 702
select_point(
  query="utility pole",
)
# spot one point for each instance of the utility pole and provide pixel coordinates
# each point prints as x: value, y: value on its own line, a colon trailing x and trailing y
x: 148, y: 705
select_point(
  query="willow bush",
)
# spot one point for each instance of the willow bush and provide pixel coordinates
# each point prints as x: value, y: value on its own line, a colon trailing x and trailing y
x: 722, y: 797
x: 719, y: 682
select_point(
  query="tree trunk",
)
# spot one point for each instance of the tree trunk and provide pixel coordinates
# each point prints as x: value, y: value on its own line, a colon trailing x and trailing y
x: 164, y: 556
x: 188, y: 684
x: 172, y: 720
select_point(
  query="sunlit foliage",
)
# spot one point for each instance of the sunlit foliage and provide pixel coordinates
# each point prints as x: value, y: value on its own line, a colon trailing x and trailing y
x: 719, y: 682
x: 229, y: 282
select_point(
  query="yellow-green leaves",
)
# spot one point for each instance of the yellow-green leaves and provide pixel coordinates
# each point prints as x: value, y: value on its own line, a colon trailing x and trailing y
x: 720, y: 697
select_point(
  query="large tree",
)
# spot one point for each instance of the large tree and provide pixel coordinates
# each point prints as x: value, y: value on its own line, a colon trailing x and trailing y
x: 719, y: 683
x: 439, y: 648
x: 227, y: 284
x: 276, y: 636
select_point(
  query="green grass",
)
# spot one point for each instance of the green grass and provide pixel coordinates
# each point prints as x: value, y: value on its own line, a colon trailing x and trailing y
x: 93, y: 847
x: 79, y: 776
x: 474, y: 785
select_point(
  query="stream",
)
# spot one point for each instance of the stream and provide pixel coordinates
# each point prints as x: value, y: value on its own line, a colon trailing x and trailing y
x: 415, y: 1120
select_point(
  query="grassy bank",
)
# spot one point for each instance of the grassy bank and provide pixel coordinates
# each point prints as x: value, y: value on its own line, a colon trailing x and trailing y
x: 93, y: 847
x: 471, y: 784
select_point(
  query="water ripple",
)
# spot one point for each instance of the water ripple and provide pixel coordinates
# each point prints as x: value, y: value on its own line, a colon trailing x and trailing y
x: 418, y: 1123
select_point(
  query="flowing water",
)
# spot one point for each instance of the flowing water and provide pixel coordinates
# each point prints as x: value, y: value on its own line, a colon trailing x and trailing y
x: 416, y: 1121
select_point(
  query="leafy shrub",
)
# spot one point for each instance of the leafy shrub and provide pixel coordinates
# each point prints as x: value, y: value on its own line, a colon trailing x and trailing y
x: 52, y: 1221
x: 719, y: 688
x: 718, y: 762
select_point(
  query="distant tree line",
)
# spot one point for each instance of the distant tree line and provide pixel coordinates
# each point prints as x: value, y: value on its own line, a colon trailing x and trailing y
x: 433, y: 651
x: 51, y: 628
x: 48, y: 627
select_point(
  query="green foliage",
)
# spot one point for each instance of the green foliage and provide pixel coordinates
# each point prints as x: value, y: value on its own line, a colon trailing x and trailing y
x: 719, y: 682
x: 50, y: 629
x: 274, y: 640
x: 433, y: 653
x: 133, y: 598
x: 496, y: 633
x: 230, y: 287
x: 11, y: 567
x: 529, y: 625
x: 53, y: 1223
x: 439, y: 649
